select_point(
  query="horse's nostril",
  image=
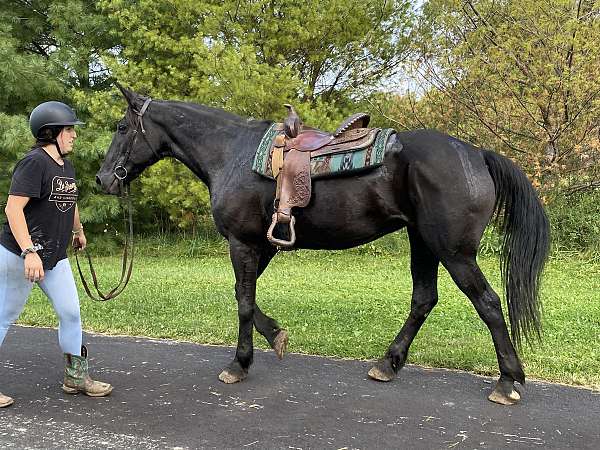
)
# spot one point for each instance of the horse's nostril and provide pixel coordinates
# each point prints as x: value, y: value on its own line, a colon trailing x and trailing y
x: 98, y: 182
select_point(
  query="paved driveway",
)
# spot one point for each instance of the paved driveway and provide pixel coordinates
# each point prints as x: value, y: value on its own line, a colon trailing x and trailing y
x: 167, y: 395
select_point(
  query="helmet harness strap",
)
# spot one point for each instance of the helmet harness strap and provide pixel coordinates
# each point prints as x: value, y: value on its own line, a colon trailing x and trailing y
x: 55, y: 142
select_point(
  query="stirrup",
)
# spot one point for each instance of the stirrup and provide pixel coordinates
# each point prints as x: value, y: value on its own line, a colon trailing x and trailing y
x: 281, y: 242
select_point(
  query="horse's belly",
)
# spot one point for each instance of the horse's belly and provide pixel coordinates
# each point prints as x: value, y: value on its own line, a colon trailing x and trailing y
x: 347, y: 212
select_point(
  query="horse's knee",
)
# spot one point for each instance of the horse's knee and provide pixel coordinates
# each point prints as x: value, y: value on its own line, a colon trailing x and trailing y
x: 246, y: 311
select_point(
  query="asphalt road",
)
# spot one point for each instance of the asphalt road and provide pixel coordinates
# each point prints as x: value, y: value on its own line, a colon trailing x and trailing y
x: 167, y: 396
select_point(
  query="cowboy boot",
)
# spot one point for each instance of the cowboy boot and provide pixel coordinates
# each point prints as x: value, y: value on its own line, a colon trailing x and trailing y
x: 5, y: 400
x: 77, y: 378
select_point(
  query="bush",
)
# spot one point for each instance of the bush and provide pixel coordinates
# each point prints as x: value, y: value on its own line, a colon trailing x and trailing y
x: 205, y: 241
x: 575, y: 222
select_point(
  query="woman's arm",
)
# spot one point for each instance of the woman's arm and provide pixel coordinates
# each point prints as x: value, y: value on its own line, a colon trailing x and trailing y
x: 79, y: 239
x: 34, y: 270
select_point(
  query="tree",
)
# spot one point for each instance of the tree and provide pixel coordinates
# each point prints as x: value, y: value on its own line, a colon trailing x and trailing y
x: 68, y: 34
x: 250, y: 58
x: 50, y: 51
x: 519, y: 76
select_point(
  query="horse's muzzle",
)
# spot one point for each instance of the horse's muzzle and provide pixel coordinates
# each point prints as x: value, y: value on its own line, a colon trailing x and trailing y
x: 108, y: 183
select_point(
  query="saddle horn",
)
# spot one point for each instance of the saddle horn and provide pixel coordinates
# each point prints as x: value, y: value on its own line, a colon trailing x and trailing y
x: 292, y: 123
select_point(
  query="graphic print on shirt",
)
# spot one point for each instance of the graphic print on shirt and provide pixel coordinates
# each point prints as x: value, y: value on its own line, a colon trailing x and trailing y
x: 64, y: 193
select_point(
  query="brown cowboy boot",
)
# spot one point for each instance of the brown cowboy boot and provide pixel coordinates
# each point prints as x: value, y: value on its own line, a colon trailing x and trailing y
x: 5, y: 400
x: 77, y: 378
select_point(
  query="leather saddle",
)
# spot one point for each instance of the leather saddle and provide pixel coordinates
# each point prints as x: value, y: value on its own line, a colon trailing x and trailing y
x: 291, y: 151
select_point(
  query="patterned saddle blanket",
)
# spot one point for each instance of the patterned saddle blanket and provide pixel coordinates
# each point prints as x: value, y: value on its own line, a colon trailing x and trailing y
x: 355, y: 150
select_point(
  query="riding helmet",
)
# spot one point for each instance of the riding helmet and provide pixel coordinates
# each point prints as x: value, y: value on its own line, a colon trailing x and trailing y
x: 52, y: 114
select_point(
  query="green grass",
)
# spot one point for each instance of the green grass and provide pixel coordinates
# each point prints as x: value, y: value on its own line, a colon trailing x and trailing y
x: 345, y: 304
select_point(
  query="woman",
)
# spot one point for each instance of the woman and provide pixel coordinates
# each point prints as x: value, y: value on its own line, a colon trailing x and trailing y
x: 42, y: 216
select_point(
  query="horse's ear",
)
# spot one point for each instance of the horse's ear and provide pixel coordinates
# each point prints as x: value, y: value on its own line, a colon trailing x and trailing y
x: 129, y: 95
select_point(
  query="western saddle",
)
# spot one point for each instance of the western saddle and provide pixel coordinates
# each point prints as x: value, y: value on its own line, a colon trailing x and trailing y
x: 290, y: 162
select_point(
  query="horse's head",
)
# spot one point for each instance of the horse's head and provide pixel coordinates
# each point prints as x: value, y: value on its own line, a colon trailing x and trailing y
x: 135, y: 145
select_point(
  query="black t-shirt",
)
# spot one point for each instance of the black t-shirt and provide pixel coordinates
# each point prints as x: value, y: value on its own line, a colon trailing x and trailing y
x: 50, y: 211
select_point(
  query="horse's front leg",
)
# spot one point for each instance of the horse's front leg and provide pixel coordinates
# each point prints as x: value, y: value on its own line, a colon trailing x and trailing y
x: 244, y: 259
x: 276, y: 336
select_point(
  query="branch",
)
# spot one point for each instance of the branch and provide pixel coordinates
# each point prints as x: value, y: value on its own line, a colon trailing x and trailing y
x: 570, y: 53
x: 412, y: 108
x: 478, y: 114
x: 384, y: 115
x: 492, y: 37
x: 38, y: 49
x: 29, y: 5
x: 592, y: 185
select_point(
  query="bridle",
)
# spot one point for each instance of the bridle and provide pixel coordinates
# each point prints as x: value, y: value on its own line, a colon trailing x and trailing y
x: 120, y: 173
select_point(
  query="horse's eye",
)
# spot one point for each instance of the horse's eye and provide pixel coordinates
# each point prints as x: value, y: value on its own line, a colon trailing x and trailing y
x: 122, y: 128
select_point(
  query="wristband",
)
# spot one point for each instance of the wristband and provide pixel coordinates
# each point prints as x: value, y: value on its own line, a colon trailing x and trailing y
x: 78, y: 230
x: 28, y: 250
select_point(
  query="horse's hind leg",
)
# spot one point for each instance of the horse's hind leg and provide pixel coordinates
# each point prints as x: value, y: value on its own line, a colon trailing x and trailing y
x: 276, y: 336
x: 424, y: 267
x: 468, y: 276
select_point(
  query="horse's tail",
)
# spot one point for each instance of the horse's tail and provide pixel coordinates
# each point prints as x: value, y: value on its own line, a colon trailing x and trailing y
x: 522, y: 219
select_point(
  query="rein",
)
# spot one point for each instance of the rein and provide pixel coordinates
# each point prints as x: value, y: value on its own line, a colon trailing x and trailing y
x: 125, y: 270
x: 120, y: 173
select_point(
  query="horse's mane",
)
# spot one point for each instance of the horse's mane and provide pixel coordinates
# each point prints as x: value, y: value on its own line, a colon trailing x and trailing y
x: 197, y: 108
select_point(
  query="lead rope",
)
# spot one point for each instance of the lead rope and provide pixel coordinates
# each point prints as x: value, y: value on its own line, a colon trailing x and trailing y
x: 125, y: 270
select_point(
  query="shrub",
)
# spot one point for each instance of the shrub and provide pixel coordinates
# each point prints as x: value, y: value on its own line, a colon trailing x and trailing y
x: 575, y: 222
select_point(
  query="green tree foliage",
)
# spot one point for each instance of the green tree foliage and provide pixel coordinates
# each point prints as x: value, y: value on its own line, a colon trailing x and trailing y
x: 247, y: 57
x: 517, y: 76
x: 67, y: 34
x: 185, y: 200
x: 12, y: 130
x: 23, y: 78
x: 250, y: 58
x: 50, y: 51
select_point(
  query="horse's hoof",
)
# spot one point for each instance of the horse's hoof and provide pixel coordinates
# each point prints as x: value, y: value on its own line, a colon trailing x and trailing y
x: 280, y: 343
x: 504, y: 396
x: 377, y: 374
x: 229, y: 378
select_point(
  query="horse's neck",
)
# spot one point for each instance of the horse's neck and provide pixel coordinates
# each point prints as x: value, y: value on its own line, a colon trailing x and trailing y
x: 206, y: 140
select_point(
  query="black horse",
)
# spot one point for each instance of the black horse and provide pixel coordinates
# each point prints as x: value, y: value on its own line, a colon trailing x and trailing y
x: 443, y: 190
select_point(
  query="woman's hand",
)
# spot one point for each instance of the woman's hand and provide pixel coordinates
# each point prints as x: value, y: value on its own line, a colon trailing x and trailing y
x: 34, y: 271
x: 79, y: 241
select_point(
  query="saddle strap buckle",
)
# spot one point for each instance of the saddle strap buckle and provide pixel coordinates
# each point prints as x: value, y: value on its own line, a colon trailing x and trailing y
x: 282, y: 242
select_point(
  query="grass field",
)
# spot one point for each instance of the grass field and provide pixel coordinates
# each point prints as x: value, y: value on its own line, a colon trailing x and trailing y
x: 345, y: 304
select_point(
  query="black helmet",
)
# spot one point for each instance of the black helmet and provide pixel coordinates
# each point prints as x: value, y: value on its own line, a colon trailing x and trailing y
x: 51, y: 113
